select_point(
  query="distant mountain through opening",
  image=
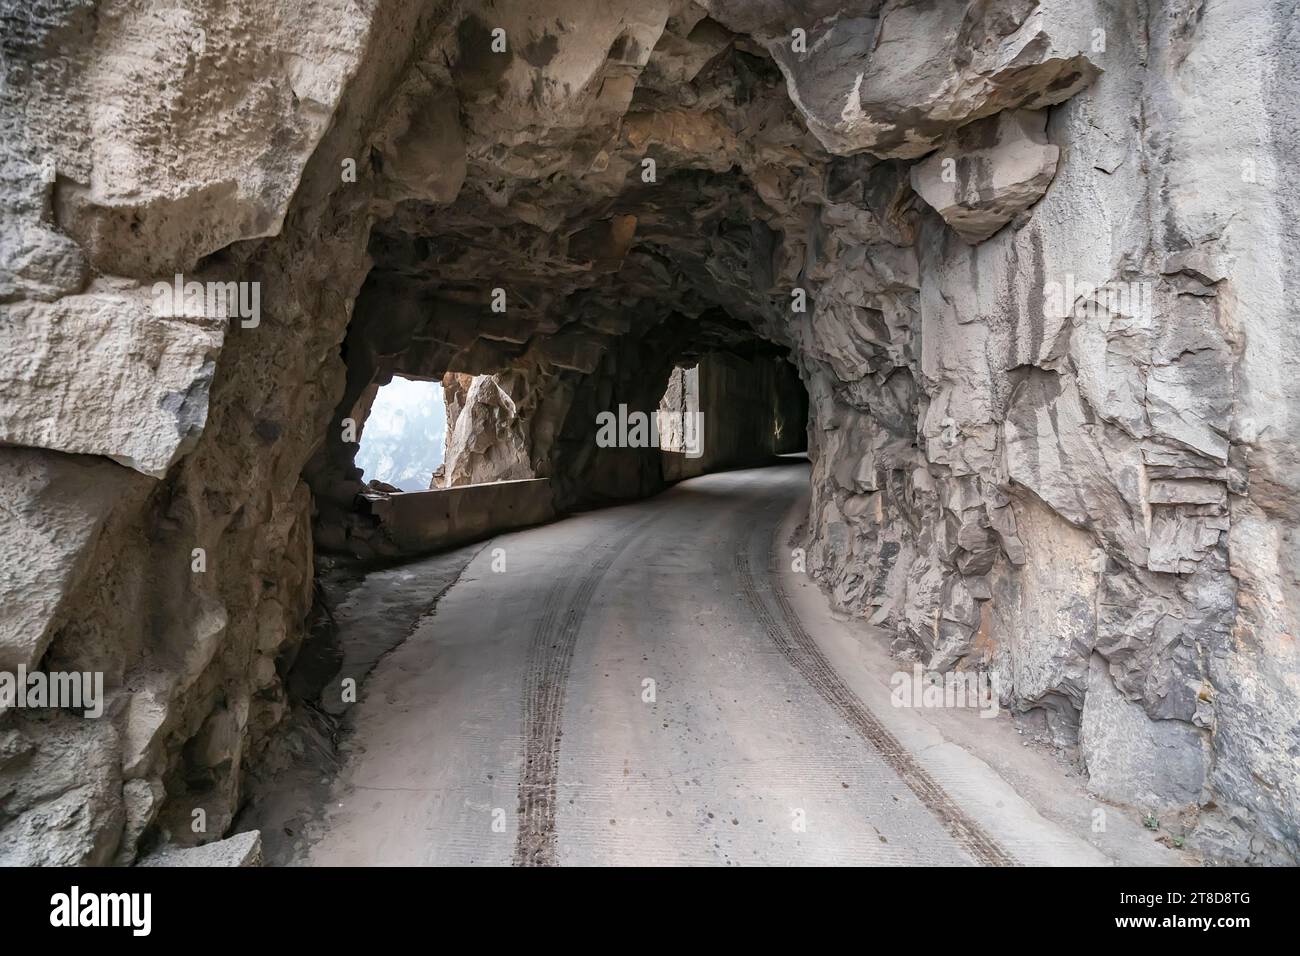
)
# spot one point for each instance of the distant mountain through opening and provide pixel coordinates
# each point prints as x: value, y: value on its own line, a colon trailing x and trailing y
x: 404, y: 438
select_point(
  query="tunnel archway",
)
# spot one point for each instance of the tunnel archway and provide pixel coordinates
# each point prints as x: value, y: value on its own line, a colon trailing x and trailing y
x: 556, y: 387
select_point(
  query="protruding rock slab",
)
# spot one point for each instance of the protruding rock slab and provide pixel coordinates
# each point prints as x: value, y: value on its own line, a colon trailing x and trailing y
x: 54, y: 509
x: 103, y: 374
x: 988, y: 172
x: 1130, y: 757
x: 242, y: 849
x: 895, y: 83
x: 184, y: 129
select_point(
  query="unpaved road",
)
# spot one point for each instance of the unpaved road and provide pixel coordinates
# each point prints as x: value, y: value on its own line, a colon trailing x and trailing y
x: 638, y: 685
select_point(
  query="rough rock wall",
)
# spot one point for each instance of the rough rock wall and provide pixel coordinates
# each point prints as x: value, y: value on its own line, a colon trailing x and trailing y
x: 1089, y: 498
x: 487, y: 438
x: 1033, y: 259
x: 145, y: 142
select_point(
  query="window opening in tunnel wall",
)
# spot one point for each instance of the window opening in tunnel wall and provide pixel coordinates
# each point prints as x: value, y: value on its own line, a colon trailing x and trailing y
x: 404, y: 439
x: 487, y: 431
x: 680, y: 420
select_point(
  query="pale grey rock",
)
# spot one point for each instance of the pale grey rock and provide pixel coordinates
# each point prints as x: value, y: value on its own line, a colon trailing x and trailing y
x: 145, y: 715
x: 36, y: 260
x: 41, y: 264
x: 141, y: 800
x: 1158, y: 632
x: 988, y: 172
x: 1188, y: 403
x: 170, y: 143
x: 1051, y: 451
x: 1188, y: 492
x: 487, y: 439
x: 1132, y: 759
x: 1179, y: 540
x: 1043, y: 622
x: 1204, y: 265
x: 54, y: 509
x: 62, y: 792
x: 588, y: 58
x: 112, y: 377
x: 240, y: 850
x: 895, y: 83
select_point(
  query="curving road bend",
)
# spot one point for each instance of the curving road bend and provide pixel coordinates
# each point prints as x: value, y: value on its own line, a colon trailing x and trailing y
x: 638, y: 685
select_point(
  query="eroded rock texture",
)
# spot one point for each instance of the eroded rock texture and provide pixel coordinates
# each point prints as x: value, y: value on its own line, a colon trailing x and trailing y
x: 1034, y: 261
x: 487, y: 436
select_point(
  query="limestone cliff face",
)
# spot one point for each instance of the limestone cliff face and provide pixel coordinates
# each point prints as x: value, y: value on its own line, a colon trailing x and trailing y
x: 1034, y: 261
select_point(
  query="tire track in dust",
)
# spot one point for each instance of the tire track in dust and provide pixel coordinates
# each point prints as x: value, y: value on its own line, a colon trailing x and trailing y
x: 803, y: 653
x: 550, y: 655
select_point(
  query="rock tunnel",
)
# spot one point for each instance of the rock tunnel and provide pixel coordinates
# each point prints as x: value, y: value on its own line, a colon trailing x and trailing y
x: 1015, y: 275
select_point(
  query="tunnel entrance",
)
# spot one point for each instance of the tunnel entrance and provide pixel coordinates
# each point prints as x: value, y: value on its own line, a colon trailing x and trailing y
x: 532, y: 439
